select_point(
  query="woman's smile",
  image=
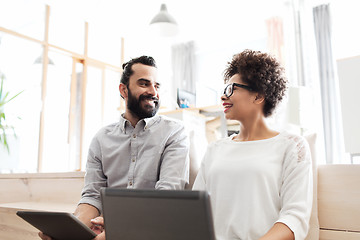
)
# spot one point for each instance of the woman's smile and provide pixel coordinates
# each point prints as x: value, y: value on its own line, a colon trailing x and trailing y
x: 226, y: 106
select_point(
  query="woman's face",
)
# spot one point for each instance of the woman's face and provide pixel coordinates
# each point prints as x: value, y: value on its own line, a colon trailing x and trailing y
x: 240, y: 105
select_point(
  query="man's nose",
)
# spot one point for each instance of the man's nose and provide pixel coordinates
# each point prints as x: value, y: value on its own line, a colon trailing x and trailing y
x: 152, y: 90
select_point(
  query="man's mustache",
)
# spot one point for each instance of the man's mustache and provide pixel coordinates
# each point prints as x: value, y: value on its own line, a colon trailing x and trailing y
x: 148, y: 97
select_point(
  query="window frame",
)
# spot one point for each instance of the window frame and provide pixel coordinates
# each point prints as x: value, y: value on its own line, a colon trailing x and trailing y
x: 81, y: 58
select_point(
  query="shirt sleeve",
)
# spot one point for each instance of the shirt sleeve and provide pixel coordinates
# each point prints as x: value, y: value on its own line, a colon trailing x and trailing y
x: 174, y: 169
x: 94, y: 176
x: 296, y: 191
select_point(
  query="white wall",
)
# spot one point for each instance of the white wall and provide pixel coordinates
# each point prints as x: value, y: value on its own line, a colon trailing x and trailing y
x: 349, y: 83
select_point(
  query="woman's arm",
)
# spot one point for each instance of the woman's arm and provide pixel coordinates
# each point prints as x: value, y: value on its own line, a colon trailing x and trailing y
x: 279, y: 232
x: 297, y: 188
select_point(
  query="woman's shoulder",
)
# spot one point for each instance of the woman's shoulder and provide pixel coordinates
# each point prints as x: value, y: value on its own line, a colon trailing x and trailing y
x: 220, y: 142
x: 293, y: 138
x: 297, y: 145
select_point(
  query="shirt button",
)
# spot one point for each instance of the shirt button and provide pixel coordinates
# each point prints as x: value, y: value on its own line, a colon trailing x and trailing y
x: 133, y: 160
x: 145, y: 127
x: 134, y: 135
x: 130, y: 183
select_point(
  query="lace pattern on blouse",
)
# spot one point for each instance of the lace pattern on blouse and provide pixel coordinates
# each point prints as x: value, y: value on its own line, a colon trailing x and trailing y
x: 300, y: 147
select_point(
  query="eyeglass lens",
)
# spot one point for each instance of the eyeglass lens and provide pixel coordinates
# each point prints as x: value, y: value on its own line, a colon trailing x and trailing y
x: 228, y: 90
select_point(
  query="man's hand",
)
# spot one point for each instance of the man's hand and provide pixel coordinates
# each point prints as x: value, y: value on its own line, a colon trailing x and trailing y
x: 44, y: 237
x: 97, y: 225
x: 101, y: 236
x: 98, y: 228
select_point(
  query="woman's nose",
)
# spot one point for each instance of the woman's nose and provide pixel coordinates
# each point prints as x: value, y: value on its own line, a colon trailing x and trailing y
x: 223, y: 97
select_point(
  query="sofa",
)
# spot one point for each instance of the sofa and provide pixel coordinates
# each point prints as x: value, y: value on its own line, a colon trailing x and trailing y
x: 336, y: 203
x: 335, y: 213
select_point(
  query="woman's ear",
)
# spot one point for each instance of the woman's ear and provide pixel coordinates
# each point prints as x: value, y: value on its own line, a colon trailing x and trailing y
x: 259, y: 98
x: 123, y: 91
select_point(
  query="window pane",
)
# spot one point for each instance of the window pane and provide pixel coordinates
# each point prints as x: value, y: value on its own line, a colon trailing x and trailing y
x: 23, y: 112
x: 75, y: 116
x: 112, y: 97
x: 22, y: 16
x: 66, y: 32
x: 56, y: 115
x: 93, y: 120
x: 104, y: 44
x: 345, y: 39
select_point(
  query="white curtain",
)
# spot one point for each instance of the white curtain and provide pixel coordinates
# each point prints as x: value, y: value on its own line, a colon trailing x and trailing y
x: 275, y: 37
x: 334, y: 145
x: 183, y: 66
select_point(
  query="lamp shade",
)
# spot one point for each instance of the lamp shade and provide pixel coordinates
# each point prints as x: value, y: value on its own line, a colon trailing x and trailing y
x: 300, y: 106
x: 39, y: 60
x: 163, y: 23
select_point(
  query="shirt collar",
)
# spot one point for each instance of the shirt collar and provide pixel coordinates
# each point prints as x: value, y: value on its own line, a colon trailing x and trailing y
x: 148, y: 122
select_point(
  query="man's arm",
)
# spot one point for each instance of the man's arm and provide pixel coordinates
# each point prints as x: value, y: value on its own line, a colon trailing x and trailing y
x: 94, y: 178
x: 86, y: 212
x: 174, y: 170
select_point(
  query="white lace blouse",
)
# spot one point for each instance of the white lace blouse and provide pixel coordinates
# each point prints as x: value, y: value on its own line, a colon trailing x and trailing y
x: 254, y: 184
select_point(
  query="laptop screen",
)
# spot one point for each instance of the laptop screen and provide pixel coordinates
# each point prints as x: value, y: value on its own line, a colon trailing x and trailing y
x: 156, y: 214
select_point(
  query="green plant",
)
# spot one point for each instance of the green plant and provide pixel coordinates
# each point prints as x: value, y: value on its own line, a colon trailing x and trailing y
x: 4, y: 99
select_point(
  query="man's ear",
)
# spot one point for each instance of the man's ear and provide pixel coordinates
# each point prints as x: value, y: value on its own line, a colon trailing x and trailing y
x: 259, y: 98
x: 123, y: 91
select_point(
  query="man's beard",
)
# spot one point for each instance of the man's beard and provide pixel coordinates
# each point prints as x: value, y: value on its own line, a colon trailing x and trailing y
x: 134, y: 105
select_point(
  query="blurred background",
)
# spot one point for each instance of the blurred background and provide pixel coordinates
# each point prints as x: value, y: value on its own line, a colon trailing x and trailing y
x: 64, y: 58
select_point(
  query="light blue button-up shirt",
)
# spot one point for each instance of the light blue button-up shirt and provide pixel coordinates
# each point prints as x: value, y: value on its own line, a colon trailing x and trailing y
x: 154, y: 154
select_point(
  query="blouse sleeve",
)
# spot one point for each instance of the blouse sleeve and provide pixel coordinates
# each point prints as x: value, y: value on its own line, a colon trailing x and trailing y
x: 200, y: 180
x: 296, y: 191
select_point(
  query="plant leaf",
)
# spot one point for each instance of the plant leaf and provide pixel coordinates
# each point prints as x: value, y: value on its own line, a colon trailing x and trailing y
x: 4, y: 141
x: 3, y: 101
x: 1, y: 88
x: 14, y: 96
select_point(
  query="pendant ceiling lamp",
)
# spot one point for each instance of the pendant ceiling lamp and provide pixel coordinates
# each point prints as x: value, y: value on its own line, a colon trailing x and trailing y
x: 163, y: 24
x: 39, y: 60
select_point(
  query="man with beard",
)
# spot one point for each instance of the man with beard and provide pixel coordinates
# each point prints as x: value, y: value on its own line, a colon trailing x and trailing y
x: 143, y: 150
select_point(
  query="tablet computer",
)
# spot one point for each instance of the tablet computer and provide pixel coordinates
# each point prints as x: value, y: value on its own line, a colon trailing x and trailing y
x: 58, y: 225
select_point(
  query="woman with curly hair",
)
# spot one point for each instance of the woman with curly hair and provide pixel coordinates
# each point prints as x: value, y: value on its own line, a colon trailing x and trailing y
x: 260, y: 180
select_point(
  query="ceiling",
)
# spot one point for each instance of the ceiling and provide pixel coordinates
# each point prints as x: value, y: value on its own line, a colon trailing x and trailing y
x: 207, y: 22
x: 197, y: 19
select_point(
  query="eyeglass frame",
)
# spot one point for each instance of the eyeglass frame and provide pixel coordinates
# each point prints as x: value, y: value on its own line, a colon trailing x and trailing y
x: 237, y: 85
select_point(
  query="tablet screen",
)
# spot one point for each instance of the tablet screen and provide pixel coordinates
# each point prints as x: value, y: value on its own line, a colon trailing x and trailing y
x: 58, y: 225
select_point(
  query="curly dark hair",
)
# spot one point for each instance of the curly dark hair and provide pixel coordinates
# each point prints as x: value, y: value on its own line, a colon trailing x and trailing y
x: 263, y: 73
x: 146, y: 60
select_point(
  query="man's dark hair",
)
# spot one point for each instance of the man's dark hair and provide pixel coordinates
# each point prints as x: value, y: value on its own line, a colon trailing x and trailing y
x: 146, y: 60
x: 261, y: 72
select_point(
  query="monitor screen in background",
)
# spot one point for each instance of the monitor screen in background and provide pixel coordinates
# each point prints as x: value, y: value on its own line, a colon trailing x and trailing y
x: 186, y: 99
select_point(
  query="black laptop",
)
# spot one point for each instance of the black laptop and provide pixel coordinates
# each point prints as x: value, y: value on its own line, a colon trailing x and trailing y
x: 157, y: 214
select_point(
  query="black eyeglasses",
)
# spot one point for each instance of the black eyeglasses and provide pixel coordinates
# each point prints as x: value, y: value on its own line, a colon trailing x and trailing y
x: 229, y: 89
